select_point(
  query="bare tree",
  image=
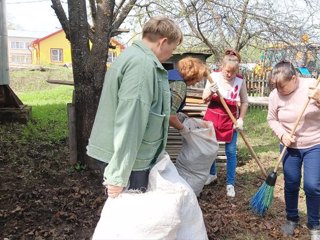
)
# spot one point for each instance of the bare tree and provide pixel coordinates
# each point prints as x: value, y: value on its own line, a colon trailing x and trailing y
x: 213, y: 25
x: 89, y: 64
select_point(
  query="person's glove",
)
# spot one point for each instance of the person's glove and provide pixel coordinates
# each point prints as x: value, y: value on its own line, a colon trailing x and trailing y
x: 239, y: 125
x: 214, y: 87
x: 314, y: 93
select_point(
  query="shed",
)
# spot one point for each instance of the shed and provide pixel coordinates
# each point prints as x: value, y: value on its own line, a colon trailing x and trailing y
x: 11, y: 107
x: 172, y: 62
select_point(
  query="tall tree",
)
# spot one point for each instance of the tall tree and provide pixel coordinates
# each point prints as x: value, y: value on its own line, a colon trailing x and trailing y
x: 81, y: 26
x: 214, y: 25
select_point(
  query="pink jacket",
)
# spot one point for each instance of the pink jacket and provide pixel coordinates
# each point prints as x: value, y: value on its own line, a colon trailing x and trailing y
x: 284, y: 110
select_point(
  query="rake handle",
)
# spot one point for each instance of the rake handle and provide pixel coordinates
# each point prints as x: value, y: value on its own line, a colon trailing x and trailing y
x: 234, y: 120
x: 294, y: 130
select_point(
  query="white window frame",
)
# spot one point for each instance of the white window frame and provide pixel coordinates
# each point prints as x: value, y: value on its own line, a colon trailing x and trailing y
x: 19, y: 45
x: 56, y: 58
x: 21, y: 59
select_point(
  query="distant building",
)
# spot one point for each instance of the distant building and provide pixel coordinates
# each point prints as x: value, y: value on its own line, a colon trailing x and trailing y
x: 19, y: 51
x: 56, y: 49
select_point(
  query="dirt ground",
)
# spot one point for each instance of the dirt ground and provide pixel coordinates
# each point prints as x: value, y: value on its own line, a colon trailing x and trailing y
x: 43, y: 197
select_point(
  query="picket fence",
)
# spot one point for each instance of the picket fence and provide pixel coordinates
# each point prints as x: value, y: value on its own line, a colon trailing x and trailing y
x: 257, y: 86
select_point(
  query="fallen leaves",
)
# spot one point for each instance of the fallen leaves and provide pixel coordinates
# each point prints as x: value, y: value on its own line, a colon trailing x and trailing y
x: 42, y: 197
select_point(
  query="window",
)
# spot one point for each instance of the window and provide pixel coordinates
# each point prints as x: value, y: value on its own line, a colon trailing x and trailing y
x: 111, y: 56
x: 56, y: 55
x: 21, y: 59
x: 20, y: 45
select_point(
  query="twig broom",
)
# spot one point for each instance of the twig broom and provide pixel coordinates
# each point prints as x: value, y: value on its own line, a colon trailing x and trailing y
x: 263, y: 198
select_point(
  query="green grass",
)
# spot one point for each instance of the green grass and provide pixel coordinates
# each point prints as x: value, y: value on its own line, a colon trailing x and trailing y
x: 49, y: 114
x: 259, y: 135
x: 22, y: 80
x: 57, y: 95
x: 48, y: 102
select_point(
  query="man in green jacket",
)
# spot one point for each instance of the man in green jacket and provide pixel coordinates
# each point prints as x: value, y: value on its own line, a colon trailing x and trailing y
x: 131, y: 125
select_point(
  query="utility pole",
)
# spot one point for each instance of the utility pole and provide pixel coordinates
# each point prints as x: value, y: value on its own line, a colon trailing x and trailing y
x: 4, y: 66
x: 11, y: 107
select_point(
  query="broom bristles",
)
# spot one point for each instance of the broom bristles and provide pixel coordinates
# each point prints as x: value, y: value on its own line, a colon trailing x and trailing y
x: 262, y: 200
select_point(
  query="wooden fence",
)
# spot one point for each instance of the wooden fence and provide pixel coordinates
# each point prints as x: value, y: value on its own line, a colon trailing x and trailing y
x: 257, y: 86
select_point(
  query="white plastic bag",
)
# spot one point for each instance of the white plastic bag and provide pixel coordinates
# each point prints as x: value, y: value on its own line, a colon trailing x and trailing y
x: 199, y: 150
x: 168, y: 210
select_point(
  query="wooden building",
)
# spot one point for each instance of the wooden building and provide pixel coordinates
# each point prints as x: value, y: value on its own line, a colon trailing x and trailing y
x: 172, y: 62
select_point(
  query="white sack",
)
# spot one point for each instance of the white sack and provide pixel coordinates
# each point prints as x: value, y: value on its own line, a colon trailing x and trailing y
x: 168, y: 210
x: 199, y: 150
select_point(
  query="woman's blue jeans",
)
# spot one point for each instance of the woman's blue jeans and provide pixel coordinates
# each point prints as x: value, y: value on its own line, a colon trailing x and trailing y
x: 293, y: 161
x: 231, y: 152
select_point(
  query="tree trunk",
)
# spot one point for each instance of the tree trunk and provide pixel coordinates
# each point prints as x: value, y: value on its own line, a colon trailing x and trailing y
x: 85, y: 97
x: 89, y: 66
x: 85, y: 104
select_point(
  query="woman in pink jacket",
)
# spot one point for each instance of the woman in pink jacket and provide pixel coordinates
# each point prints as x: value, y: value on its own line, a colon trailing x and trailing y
x: 285, y: 103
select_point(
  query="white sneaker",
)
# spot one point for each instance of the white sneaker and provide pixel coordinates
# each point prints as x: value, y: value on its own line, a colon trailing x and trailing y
x: 230, y: 191
x: 211, y: 178
x: 315, y: 234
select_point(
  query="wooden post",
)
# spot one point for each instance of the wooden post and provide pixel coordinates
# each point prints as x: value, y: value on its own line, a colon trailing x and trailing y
x: 72, y: 131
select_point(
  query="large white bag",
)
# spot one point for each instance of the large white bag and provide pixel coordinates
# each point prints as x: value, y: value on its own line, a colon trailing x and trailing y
x: 199, y: 150
x: 168, y: 210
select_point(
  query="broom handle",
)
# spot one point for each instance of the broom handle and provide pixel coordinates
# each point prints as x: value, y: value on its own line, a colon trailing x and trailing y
x: 234, y: 120
x: 293, y: 130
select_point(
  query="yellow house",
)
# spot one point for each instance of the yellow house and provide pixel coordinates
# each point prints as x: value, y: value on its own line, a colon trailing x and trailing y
x: 56, y: 49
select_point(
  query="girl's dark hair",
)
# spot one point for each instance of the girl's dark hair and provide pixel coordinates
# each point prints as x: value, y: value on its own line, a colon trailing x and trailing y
x: 282, y: 72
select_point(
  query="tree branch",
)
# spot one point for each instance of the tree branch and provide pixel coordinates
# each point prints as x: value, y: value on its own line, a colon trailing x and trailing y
x: 217, y: 18
x: 61, y: 15
x: 118, y: 9
x: 242, y: 24
x: 122, y: 15
x: 204, y: 39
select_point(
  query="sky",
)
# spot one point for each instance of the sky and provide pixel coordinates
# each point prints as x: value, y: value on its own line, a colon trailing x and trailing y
x: 38, y: 17
x: 32, y: 15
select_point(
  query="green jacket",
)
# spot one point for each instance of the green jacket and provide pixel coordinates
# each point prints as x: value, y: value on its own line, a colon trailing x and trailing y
x: 131, y: 125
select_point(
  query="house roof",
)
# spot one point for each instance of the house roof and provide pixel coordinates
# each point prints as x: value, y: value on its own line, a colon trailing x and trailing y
x: 184, y: 54
x: 45, y: 37
x: 25, y: 34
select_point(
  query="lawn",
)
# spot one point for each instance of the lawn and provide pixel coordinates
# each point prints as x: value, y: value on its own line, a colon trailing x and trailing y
x: 45, y: 197
x: 48, y: 101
